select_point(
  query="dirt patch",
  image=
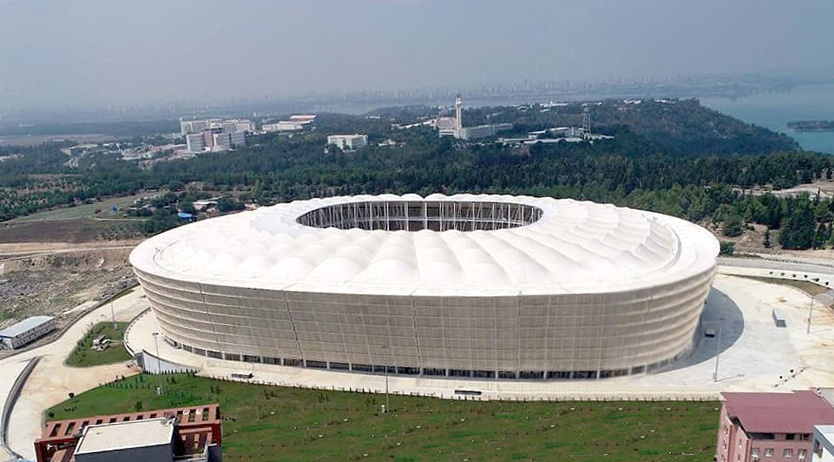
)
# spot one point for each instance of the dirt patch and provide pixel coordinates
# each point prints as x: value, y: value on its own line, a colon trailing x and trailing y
x: 70, y: 231
x: 51, y: 284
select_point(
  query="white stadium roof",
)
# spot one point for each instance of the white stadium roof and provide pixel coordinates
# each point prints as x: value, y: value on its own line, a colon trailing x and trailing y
x: 574, y: 247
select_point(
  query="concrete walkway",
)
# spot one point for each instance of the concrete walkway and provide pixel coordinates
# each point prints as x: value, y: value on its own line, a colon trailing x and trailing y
x: 755, y: 355
x: 11, y: 371
x: 51, y: 381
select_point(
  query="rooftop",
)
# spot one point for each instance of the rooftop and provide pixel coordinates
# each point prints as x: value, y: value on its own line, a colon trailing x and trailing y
x: 463, y: 245
x: 827, y: 431
x: 795, y: 412
x: 126, y: 435
x: 25, y: 325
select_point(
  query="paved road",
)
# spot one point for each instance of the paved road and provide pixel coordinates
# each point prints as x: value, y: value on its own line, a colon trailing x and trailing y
x: 51, y: 380
x: 776, y: 265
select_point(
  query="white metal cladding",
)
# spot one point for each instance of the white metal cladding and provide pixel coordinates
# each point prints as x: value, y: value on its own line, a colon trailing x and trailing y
x: 545, y: 287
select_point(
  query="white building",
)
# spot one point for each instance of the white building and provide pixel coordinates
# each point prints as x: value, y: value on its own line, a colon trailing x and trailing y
x: 453, y: 126
x: 237, y: 139
x: 221, y: 141
x: 139, y: 440
x: 229, y: 125
x: 823, y: 443
x: 26, y: 331
x: 215, y: 139
x: 283, y: 126
x: 238, y: 125
x: 193, y: 126
x: 348, y: 141
x: 195, y: 142
x: 482, y: 131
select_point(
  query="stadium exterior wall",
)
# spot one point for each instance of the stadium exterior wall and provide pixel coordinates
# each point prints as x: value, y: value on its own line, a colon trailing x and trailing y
x: 555, y: 336
x: 630, y: 329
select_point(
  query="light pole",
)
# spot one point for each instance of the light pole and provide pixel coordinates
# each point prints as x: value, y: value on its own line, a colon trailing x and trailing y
x: 158, y: 361
x: 718, y: 349
x: 387, y: 404
x: 113, y: 314
x: 810, y: 312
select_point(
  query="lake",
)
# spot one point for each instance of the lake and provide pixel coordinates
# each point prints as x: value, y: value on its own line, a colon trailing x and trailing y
x: 775, y: 110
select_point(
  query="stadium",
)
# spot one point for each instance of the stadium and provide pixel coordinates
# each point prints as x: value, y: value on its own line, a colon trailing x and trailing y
x: 480, y: 286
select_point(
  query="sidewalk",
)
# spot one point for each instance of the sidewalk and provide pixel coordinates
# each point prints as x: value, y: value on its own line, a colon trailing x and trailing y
x: 51, y: 381
x: 754, y: 355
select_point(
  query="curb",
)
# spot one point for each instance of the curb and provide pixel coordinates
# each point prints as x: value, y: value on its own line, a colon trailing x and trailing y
x: 14, y: 393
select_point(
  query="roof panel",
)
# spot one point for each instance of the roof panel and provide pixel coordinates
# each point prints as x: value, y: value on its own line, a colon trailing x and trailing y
x: 574, y: 247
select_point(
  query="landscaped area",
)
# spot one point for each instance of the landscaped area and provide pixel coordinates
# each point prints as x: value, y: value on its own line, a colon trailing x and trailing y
x: 806, y: 286
x: 263, y: 423
x: 85, y: 356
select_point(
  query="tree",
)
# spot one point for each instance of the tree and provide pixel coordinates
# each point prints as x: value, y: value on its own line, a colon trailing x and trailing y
x: 727, y: 248
x: 800, y: 229
x: 822, y: 235
x: 227, y: 204
x: 187, y: 207
x: 733, y: 226
x: 766, y: 241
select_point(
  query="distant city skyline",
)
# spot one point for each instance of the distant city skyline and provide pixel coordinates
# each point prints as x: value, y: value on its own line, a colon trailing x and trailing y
x: 91, y: 54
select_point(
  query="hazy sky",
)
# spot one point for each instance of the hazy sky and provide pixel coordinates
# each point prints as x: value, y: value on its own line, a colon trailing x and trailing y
x: 64, y: 53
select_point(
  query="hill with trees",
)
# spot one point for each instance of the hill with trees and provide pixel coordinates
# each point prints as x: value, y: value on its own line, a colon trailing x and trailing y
x: 676, y: 158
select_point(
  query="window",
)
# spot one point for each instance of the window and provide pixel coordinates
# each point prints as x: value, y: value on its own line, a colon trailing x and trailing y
x: 805, y: 437
x: 768, y: 452
x: 801, y: 454
x: 754, y: 453
x: 790, y: 436
x: 787, y: 453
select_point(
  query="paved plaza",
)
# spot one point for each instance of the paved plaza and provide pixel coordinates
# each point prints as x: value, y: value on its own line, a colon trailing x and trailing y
x: 753, y: 354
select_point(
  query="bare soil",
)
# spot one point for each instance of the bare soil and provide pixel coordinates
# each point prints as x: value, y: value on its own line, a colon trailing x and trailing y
x: 69, y: 231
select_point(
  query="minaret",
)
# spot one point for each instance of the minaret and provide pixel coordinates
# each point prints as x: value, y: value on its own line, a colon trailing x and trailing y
x: 586, y: 124
x: 459, y: 111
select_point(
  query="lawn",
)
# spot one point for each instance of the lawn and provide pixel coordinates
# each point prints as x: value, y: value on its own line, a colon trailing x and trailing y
x: 264, y: 423
x: 84, y: 356
x: 84, y: 210
x: 806, y: 286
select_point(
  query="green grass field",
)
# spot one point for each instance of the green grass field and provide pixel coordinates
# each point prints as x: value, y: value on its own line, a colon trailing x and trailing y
x: 806, y: 286
x: 84, y: 356
x: 287, y: 424
x: 84, y: 210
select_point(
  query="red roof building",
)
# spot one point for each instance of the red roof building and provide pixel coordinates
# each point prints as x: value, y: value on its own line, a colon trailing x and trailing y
x: 770, y: 427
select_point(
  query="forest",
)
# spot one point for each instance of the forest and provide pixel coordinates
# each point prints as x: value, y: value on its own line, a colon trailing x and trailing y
x: 677, y: 158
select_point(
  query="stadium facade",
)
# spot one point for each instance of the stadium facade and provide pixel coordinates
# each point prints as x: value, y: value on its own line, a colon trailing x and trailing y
x: 478, y: 286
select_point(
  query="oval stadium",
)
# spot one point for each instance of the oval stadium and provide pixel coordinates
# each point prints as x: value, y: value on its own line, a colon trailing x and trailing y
x: 480, y: 286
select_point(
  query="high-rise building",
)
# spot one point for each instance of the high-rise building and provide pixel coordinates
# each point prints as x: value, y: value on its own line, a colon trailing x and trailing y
x: 238, y: 125
x: 229, y: 125
x: 221, y: 141
x: 195, y: 142
x: 192, y: 126
x: 237, y: 139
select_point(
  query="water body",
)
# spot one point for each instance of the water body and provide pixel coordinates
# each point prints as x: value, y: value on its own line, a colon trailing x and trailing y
x: 775, y: 110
